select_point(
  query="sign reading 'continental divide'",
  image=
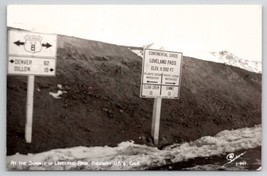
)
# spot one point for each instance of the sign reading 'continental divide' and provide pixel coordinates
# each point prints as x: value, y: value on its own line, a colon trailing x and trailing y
x: 161, y: 74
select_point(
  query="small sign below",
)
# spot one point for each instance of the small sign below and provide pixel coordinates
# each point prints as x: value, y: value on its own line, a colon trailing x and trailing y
x: 31, y: 66
x: 161, y: 74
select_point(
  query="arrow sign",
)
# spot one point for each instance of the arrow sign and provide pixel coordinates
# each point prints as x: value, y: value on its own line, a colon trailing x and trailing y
x: 18, y: 43
x: 22, y: 43
x: 152, y: 82
x: 47, y: 45
x: 170, y: 83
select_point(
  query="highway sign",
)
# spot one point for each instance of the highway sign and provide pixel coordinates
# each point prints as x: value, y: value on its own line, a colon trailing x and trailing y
x: 31, y: 53
x: 31, y: 66
x: 161, y: 74
x: 21, y: 43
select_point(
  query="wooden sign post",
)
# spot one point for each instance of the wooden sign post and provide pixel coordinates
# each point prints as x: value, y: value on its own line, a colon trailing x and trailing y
x: 161, y: 76
x: 156, y: 120
x: 29, y: 109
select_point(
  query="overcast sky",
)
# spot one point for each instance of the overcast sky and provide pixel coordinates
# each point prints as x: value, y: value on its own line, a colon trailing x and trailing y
x: 182, y: 28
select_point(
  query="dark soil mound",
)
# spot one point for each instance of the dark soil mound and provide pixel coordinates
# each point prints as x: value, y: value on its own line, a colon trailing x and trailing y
x: 102, y: 104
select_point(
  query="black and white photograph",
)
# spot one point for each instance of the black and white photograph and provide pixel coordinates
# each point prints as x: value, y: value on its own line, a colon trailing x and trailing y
x: 134, y: 87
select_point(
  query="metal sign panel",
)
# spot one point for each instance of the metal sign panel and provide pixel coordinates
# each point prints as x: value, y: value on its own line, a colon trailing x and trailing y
x: 31, y: 66
x: 30, y: 44
x: 31, y: 53
x: 161, y: 74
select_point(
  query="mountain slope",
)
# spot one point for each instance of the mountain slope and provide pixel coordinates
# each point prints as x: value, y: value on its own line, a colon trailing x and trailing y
x: 229, y: 58
x: 100, y: 104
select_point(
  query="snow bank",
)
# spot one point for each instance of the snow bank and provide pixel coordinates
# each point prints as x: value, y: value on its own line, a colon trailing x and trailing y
x: 228, y: 58
x: 130, y: 156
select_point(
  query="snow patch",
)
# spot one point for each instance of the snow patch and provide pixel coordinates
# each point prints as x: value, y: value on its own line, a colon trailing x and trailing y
x: 59, y: 86
x: 130, y: 156
x: 57, y: 94
x: 137, y: 52
x: 229, y: 58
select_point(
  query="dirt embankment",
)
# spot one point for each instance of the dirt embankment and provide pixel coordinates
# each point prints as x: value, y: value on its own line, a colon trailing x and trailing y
x: 102, y: 106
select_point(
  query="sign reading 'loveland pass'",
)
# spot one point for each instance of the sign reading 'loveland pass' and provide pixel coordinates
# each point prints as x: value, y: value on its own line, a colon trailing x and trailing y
x: 161, y: 74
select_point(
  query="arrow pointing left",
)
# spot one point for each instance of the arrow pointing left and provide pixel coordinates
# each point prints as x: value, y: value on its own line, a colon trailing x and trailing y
x: 152, y: 82
x: 18, y: 43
